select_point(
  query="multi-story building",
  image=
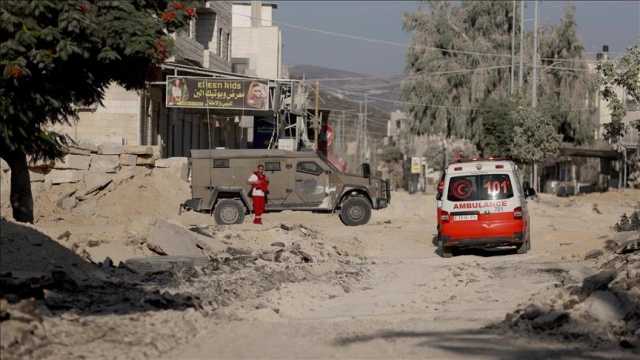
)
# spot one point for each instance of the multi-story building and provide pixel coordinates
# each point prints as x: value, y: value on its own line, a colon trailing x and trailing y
x: 141, y: 117
x: 256, y: 42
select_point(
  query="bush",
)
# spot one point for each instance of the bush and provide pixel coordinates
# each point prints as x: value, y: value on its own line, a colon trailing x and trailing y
x: 391, y: 153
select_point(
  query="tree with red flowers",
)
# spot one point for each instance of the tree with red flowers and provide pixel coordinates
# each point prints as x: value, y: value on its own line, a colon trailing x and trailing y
x: 57, y: 53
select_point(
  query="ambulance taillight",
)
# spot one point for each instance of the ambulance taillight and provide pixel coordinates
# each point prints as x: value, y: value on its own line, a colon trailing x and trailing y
x: 444, y: 216
x: 517, y: 213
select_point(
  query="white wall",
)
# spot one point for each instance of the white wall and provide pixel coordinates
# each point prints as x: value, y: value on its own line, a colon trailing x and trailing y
x: 241, y: 15
x: 262, y: 46
x: 118, y: 121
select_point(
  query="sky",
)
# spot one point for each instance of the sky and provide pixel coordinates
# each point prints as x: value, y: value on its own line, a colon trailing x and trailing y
x: 616, y: 23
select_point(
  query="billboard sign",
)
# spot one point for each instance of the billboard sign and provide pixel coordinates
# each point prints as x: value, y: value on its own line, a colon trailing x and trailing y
x: 217, y: 93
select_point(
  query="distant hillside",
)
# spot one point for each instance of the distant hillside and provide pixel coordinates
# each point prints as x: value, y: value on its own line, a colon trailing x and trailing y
x: 345, y: 94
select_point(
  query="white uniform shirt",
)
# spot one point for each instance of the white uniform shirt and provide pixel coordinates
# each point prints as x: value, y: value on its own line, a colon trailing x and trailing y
x: 253, y: 179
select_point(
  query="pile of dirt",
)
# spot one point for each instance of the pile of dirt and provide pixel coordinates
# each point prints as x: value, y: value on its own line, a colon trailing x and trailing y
x: 603, y: 308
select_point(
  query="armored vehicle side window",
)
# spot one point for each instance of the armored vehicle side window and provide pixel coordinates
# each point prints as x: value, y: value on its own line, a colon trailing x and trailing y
x: 272, y: 165
x: 221, y: 163
x: 309, y: 167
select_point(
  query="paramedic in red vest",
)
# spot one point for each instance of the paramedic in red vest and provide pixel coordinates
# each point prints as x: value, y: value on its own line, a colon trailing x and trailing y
x: 259, y: 189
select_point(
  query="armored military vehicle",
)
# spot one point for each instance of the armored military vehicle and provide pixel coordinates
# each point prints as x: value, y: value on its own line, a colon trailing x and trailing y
x: 299, y: 181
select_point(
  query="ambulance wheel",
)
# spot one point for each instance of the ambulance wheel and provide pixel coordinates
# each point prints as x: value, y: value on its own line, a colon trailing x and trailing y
x: 525, y: 247
x: 442, y: 250
x: 229, y: 212
x: 355, y: 211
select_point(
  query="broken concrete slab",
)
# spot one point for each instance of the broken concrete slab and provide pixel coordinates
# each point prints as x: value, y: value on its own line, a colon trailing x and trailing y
x: 176, y: 240
x: 76, y: 162
x: 77, y: 150
x: 598, y: 281
x: 87, y: 145
x: 178, y: 166
x: 550, y: 320
x: 593, y: 254
x: 67, y: 203
x: 63, y: 176
x: 603, y: 306
x: 138, y: 150
x: 110, y: 149
x: 145, y: 160
x: 128, y: 159
x: 95, y: 181
x: 105, y: 163
x: 35, y: 176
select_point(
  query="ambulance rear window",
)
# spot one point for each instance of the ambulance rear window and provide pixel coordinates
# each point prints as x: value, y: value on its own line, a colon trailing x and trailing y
x: 479, y: 187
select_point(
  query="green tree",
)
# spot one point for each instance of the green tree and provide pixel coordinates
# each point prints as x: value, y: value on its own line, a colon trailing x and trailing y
x: 55, y: 54
x: 535, y: 136
x: 496, y: 116
x: 625, y: 74
x: 566, y: 85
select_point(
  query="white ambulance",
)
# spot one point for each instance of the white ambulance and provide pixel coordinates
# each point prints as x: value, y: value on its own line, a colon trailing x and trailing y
x: 481, y: 204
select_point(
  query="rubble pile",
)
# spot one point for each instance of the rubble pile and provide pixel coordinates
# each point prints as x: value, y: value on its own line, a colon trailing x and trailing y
x: 602, y: 309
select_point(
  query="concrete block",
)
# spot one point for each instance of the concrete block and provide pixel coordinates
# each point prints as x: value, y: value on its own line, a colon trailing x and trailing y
x: 77, y: 162
x: 179, y: 166
x: 128, y: 159
x: 105, y: 163
x: 63, y: 176
x: 36, y: 176
x: 4, y: 167
x: 175, y: 240
x: 110, y: 149
x: 94, y: 181
x: 75, y: 150
x: 138, y: 150
x: 40, y: 164
x: 89, y: 146
x: 145, y: 160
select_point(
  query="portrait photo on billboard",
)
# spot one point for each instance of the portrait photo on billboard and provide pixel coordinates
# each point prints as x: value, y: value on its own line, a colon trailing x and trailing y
x: 257, y: 96
x: 177, y: 91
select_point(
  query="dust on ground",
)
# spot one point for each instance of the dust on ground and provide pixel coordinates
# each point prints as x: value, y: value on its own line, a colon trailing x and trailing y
x: 87, y: 282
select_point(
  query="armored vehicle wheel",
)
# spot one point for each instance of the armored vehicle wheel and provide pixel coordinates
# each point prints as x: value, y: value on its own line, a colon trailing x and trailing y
x: 355, y: 211
x: 228, y: 212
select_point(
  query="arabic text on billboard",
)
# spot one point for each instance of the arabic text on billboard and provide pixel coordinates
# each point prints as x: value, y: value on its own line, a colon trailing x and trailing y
x: 192, y: 92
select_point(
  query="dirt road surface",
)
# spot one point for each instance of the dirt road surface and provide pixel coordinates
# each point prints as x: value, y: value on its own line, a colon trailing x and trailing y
x: 414, y: 304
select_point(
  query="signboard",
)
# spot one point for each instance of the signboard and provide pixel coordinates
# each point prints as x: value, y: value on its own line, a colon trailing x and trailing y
x: 416, y: 165
x: 214, y: 93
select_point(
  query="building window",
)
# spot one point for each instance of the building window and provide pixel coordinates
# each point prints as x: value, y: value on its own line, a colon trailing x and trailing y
x: 204, y: 29
x: 219, y: 45
x: 272, y: 166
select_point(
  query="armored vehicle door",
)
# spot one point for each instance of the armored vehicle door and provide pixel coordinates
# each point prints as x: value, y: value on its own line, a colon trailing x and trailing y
x: 278, y: 172
x: 311, y: 181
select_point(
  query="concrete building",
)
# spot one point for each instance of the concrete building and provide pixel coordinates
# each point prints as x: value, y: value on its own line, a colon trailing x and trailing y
x: 141, y: 118
x: 256, y: 42
x: 395, y: 125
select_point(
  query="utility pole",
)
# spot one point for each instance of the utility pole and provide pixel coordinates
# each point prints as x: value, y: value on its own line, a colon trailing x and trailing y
x: 317, y: 118
x: 513, y: 47
x: 534, y: 86
x: 366, y: 135
x: 521, y: 72
x: 359, y: 133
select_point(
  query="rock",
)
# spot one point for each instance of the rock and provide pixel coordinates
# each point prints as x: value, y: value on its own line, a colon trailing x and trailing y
x: 64, y: 236
x: 75, y: 162
x: 63, y: 176
x: 110, y: 149
x: 532, y: 311
x: 67, y: 203
x: 278, y: 244
x: 179, y: 166
x: 629, y: 246
x: 603, y: 306
x: 145, y: 160
x: 599, y: 281
x: 175, y: 240
x: 128, y: 159
x: 138, y: 150
x: 35, y: 176
x: 550, y: 320
x: 237, y: 251
x: 268, y: 256
x: 95, y: 181
x: 593, y: 254
x: 107, y: 263
x: 285, y: 227
x: 105, y: 163
x: 93, y: 243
